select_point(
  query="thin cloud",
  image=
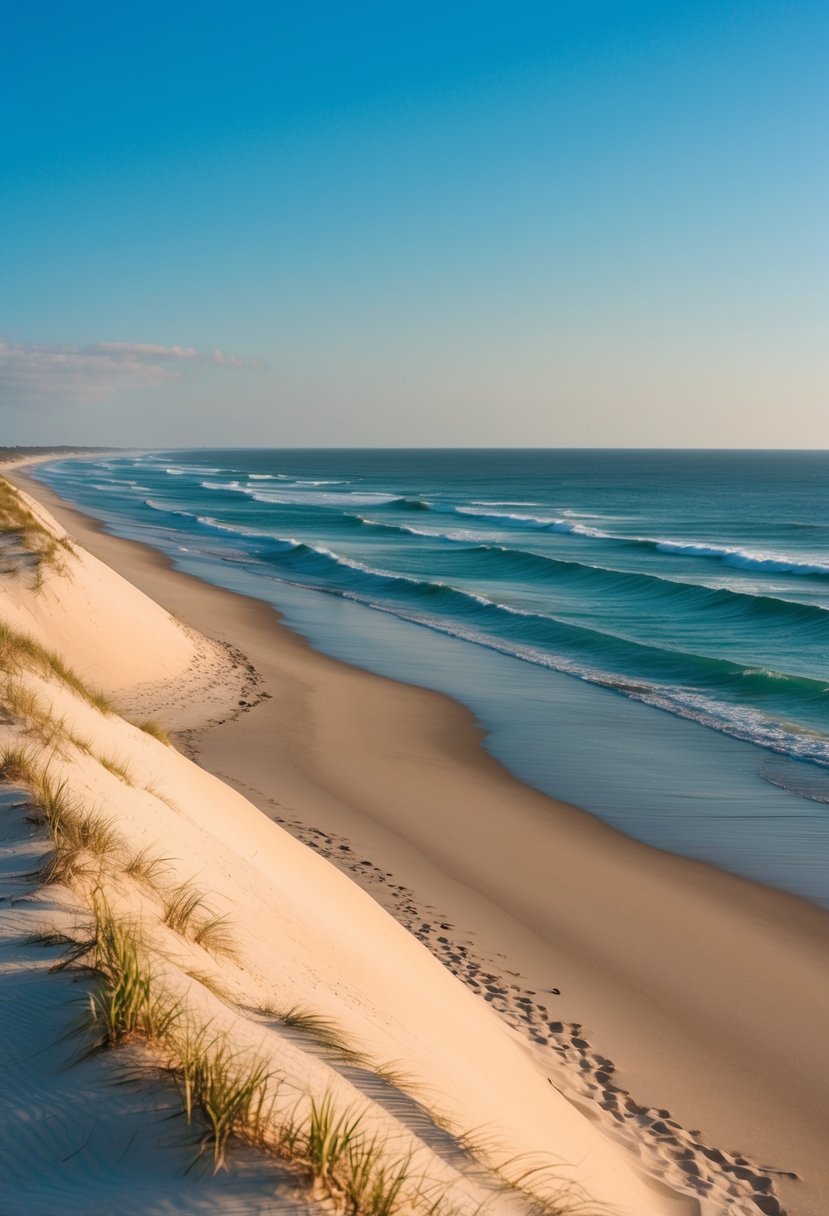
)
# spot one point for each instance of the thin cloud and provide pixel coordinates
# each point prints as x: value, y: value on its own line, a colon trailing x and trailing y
x: 37, y: 371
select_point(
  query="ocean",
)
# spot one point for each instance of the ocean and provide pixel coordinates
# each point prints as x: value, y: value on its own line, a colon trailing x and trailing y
x: 644, y: 634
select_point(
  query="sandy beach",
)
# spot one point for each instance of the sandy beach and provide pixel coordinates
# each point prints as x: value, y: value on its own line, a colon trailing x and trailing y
x: 682, y: 1009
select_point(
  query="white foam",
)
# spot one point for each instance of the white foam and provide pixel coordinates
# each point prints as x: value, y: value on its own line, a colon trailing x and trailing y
x: 779, y: 563
x: 321, y: 498
x: 226, y: 485
x: 465, y: 536
x: 554, y: 523
x: 505, y: 502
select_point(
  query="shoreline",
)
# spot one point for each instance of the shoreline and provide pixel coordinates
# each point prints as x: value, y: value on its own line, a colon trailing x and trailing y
x: 632, y: 937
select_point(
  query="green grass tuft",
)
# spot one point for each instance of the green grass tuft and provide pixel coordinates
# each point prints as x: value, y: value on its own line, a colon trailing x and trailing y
x: 127, y: 1000
x: 351, y: 1166
x: 187, y: 912
x: 233, y: 1091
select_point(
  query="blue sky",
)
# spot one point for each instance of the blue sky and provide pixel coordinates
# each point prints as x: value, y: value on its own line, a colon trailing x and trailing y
x: 358, y: 223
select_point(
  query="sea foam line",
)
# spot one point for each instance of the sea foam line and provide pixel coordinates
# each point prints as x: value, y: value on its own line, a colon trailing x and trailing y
x: 732, y: 555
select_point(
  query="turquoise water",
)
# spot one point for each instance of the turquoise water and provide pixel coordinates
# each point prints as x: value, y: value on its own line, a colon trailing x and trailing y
x: 645, y: 634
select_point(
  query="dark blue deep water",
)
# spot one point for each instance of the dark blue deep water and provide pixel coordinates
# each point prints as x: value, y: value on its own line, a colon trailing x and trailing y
x: 645, y: 634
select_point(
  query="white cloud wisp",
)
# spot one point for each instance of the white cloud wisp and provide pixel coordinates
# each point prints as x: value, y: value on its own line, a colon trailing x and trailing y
x: 31, y: 372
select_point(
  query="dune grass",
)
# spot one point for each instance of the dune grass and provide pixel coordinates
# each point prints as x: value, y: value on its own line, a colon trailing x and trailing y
x: 81, y: 842
x: 212, y: 983
x: 18, y: 765
x: 127, y: 1000
x: 187, y: 912
x: 30, y: 708
x: 233, y: 1091
x: 19, y: 652
x: 51, y: 935
x: 155, y: 792
x: 156, y: 730
x: 372, y: 1185
x: 38, y: 718
x: 117, y: 768
x: 182, y: 907
x: 215, y: 935
x: 51, y: 799
x: 352, y: 1166
x: 321, y: 1030
x: 147, y: 867
x: 233, y: 1094
x: 39, y: 549
x: 331, y: 1137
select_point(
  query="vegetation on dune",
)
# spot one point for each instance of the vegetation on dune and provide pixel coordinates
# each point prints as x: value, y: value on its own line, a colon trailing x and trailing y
x: 117, y: 768
x: 128, y: 1000
x: 187, y: 912
x: 321, y: 1030
x: 156, y: 730
x: 19, y: 652
x: 81, y: 843
x: 18, y: 765
x: 39, y: 719
x: 147, y: 867
x: 233, y: 1094
x: 25, y: 543
x: 9, y: 454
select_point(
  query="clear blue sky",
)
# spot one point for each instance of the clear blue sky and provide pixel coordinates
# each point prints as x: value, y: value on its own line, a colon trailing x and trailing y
x: 386, y: 223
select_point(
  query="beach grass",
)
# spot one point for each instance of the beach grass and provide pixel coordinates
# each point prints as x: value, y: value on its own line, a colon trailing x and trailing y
x: 81, y: 841
x: 118, y: 768
x: 19, y: 652
x: 187, y: 912
x: 127, y: 1000
x: 38, y: 549
x: 147, y: 867
x: 214, y: 934
x: 233, y: 1091
x: 182, y: 906
x: 330, y: 1137
x: 39, y: 720
x: 156, y: 730
x: 321, y: 1030
x: 18, y: 765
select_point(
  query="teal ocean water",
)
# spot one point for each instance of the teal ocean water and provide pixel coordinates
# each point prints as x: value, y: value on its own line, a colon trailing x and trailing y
x: 645, y: 634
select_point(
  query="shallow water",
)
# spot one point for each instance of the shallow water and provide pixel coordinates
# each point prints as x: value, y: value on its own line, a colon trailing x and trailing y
x: 643, y: 634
